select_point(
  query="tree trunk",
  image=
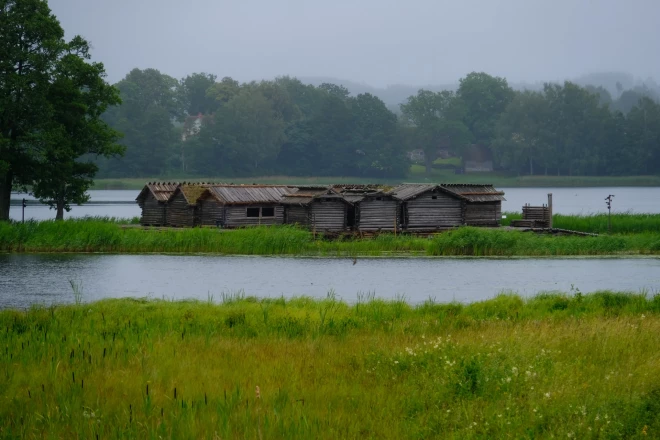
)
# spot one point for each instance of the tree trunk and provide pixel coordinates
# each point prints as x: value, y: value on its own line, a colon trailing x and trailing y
x: 60, y: 211
x: 6, y: 180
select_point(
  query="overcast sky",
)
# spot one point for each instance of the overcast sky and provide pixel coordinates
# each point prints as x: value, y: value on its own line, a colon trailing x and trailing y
x: 378, y: 42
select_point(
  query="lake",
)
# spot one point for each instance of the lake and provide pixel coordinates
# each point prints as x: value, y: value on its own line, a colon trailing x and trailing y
x: 45, y: 278
x: 121, y: 203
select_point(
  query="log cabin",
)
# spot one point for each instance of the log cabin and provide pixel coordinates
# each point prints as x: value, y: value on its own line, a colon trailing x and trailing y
x: 429, y: 207
x: 182, y: 207
x: 233, y: 206
x: 153, y: 202
x: 483, y: 204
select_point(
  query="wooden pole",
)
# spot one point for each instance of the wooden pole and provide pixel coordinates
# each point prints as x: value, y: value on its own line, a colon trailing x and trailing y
x: 550, y: 210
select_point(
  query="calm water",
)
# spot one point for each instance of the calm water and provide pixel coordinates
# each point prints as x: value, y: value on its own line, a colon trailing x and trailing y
x: 565, y: 201
x: 44, y: 279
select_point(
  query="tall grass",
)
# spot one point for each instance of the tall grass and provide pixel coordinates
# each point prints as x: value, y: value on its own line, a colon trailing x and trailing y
x: 106, y: 236
x: 623, y: 223
x: 581, y: 366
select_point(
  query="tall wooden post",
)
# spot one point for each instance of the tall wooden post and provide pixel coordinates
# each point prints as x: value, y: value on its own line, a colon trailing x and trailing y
x: 550, y: 210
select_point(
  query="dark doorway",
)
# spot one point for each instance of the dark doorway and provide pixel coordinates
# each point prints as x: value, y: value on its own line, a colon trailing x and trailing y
x: 350, y: 216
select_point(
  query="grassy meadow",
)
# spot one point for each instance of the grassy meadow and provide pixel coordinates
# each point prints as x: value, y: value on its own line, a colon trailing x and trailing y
x: 562, y: 366
x: 98, y: 235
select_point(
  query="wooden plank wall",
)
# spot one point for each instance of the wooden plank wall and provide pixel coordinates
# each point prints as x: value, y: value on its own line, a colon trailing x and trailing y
x: 210, y: 212
x: 425, y: 212
x: 377, y: 215
x: 294, y: 214
x: 179, y: 213
x: 153, y: 212
x: 328, y: 215
x: 483, y: 214
x: 539, y: 216
x: 236, y: 216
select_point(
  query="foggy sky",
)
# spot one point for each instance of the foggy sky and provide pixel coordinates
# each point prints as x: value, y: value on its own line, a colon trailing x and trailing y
x: 378, y: 42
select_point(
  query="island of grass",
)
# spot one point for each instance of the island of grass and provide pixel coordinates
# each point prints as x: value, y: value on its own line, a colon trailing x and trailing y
x: 580, y: 366
x: 631, y: 235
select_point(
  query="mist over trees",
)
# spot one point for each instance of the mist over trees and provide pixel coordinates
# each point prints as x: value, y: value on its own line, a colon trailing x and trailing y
x: 202, y: 125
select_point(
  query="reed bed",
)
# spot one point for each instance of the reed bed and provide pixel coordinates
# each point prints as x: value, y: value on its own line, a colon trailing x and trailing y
x: 622, y: 223
x: 107, y: 236
x: 556, y: 365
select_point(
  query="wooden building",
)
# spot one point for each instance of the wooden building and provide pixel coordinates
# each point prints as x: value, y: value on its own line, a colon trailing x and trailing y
x: 428, y: 207
x: 371, y: 210
x: 182, y: 207
x: 233, y: 206
x: 298, y: 205
x: 153, y: 202
x: 483, y: 203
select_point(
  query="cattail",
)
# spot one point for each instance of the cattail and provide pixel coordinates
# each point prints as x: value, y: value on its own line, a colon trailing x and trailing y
x: 257, y: 392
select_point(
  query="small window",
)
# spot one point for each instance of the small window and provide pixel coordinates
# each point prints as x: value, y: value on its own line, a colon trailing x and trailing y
x: 268, y: 212
x: 253, y: 212
x: 434, y: 197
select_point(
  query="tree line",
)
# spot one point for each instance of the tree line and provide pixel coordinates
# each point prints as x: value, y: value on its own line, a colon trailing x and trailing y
x: 205, y: 126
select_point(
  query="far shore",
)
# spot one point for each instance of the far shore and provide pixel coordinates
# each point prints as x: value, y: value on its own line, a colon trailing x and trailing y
x: 497, y: 179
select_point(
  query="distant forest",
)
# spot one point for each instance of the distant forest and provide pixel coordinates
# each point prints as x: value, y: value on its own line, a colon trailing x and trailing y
x: 201, y: 125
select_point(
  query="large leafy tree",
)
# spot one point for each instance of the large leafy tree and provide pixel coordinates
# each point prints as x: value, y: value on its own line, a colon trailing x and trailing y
x: 377, y: 151
x: 193, y: 93
x: 485, y: 98
x: 521, y: 132
x: 643, y: 129
x: 31, y: 42
x: 242, y: 138
x: 437, y: 122
x: 150, y: 106
x: 74, y: 133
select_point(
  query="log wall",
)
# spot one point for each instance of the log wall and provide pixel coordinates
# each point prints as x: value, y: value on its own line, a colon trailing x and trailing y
x: 425, y: 212
x: 483, y: 214
x: 328, y: 215
x: 539, y: 216
x: 377, y: 215
x: 153, y: 212
x: 296, y: 215
x: 180, y: 213
x: 210, y: 212
x: 236, y: 216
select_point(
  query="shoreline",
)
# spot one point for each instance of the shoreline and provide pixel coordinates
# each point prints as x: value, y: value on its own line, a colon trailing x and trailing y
x: 494, y: 179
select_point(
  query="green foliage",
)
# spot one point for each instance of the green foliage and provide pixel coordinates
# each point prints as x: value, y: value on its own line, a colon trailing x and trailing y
x: 31, y: 43
x: 436, y: 121
x: 570, y: 130
x: 78, y: 96
x: 106, y: 235
x: 552, y: 365
x: 597, y: 223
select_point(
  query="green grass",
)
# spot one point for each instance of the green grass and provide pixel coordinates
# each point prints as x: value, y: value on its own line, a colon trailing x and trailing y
x: 580, y: 366
x: 597, y: 223
x: 106, y: 236
x: 417, y: 174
